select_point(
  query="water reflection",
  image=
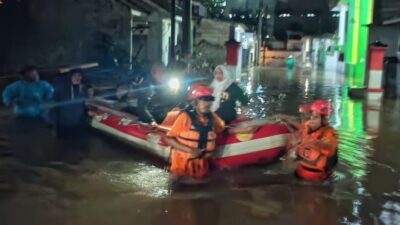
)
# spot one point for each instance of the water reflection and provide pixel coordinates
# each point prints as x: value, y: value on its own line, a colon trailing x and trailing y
x: 390, y: 213
x: 196, y: 211
x: 354, y: 148
x: 314, y: 206
x: 150, y: 180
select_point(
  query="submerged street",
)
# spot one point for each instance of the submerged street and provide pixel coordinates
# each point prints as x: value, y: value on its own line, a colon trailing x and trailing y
x: 103, y: 181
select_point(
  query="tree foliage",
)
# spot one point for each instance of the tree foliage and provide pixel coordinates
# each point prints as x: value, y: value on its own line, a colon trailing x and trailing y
x: 213, y: 3
x: 213, y: 6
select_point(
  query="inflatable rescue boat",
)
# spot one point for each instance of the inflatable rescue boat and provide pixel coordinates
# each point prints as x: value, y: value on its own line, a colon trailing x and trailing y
x: 233, y: 150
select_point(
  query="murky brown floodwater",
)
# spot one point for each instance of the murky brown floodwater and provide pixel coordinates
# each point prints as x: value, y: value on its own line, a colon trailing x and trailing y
x: 109, y: 183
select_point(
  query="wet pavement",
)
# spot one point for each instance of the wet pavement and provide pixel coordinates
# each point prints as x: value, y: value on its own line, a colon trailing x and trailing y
x: 102, y: 181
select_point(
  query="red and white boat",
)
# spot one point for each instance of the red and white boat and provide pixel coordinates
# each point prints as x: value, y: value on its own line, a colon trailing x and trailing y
x: 233, y: 150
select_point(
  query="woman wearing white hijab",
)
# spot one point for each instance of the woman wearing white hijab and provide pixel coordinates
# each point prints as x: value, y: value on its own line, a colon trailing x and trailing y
x: 227, y: 93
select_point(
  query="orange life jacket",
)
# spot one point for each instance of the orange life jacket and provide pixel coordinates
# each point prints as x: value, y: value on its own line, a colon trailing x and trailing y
x: 316, y: 163
x: 199, y: 136
x: 170, y: 118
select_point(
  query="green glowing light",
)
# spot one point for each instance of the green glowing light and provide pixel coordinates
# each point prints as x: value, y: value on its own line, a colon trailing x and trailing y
x: 356, y: 47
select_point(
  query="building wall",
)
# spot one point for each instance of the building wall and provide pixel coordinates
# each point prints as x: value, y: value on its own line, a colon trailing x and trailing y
x: 389, y: 35
x: 50, y: 33
x: 215, y: 32
x: 210, y: 38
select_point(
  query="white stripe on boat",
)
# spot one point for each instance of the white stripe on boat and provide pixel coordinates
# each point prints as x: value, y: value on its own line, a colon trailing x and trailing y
x: 256, y: 145
x: 239, y: 148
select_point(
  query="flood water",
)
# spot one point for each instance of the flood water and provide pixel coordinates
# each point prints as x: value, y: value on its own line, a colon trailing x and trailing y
x: 107, y: 182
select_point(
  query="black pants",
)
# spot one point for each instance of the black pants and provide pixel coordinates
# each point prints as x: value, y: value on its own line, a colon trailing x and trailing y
x: 31, y: 140
x: 72, y: 143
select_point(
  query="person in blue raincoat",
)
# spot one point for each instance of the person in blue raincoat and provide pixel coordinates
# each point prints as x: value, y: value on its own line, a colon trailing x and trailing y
x: 29, y: 98
x: 28, y: 95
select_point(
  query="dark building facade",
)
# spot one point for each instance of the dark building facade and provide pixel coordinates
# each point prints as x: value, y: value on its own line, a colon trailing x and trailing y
x: 62, y: 32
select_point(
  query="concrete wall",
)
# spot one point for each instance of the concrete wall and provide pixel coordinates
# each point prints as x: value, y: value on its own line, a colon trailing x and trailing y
x: 389, y: 35
x: 50, y: 33
x: 215, y: 32
x: 210, y: 40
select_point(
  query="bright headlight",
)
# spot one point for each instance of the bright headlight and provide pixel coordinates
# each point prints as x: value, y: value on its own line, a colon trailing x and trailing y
x: 174, y: 84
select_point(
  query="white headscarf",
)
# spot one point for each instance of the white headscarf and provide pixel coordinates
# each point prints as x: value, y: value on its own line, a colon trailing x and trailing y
x: 220, y: 86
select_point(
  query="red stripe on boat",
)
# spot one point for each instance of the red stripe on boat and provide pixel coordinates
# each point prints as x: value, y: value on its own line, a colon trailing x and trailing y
x: 262, y: 132
x: 263, y: 156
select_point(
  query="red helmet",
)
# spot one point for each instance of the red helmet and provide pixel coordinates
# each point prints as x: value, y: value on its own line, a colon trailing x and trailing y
x: 304, y: 108
x: 322, y: 107
x: 197, y: 91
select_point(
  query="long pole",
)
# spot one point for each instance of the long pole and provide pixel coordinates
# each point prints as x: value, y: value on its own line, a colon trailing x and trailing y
x: 187, y: 40
x: 172, y: 40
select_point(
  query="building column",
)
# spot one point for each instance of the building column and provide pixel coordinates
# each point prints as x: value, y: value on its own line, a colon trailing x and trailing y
x: 356, y: 46
x: 187, y: 34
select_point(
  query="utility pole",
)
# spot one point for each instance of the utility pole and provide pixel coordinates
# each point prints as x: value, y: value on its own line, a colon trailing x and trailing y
x: 172, y: 41
x: 259, y: 31
x: 187, y: 37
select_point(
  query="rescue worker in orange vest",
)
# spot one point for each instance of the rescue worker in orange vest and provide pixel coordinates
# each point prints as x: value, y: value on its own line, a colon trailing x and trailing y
x: 318, y: 144
x: 193, y: 134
